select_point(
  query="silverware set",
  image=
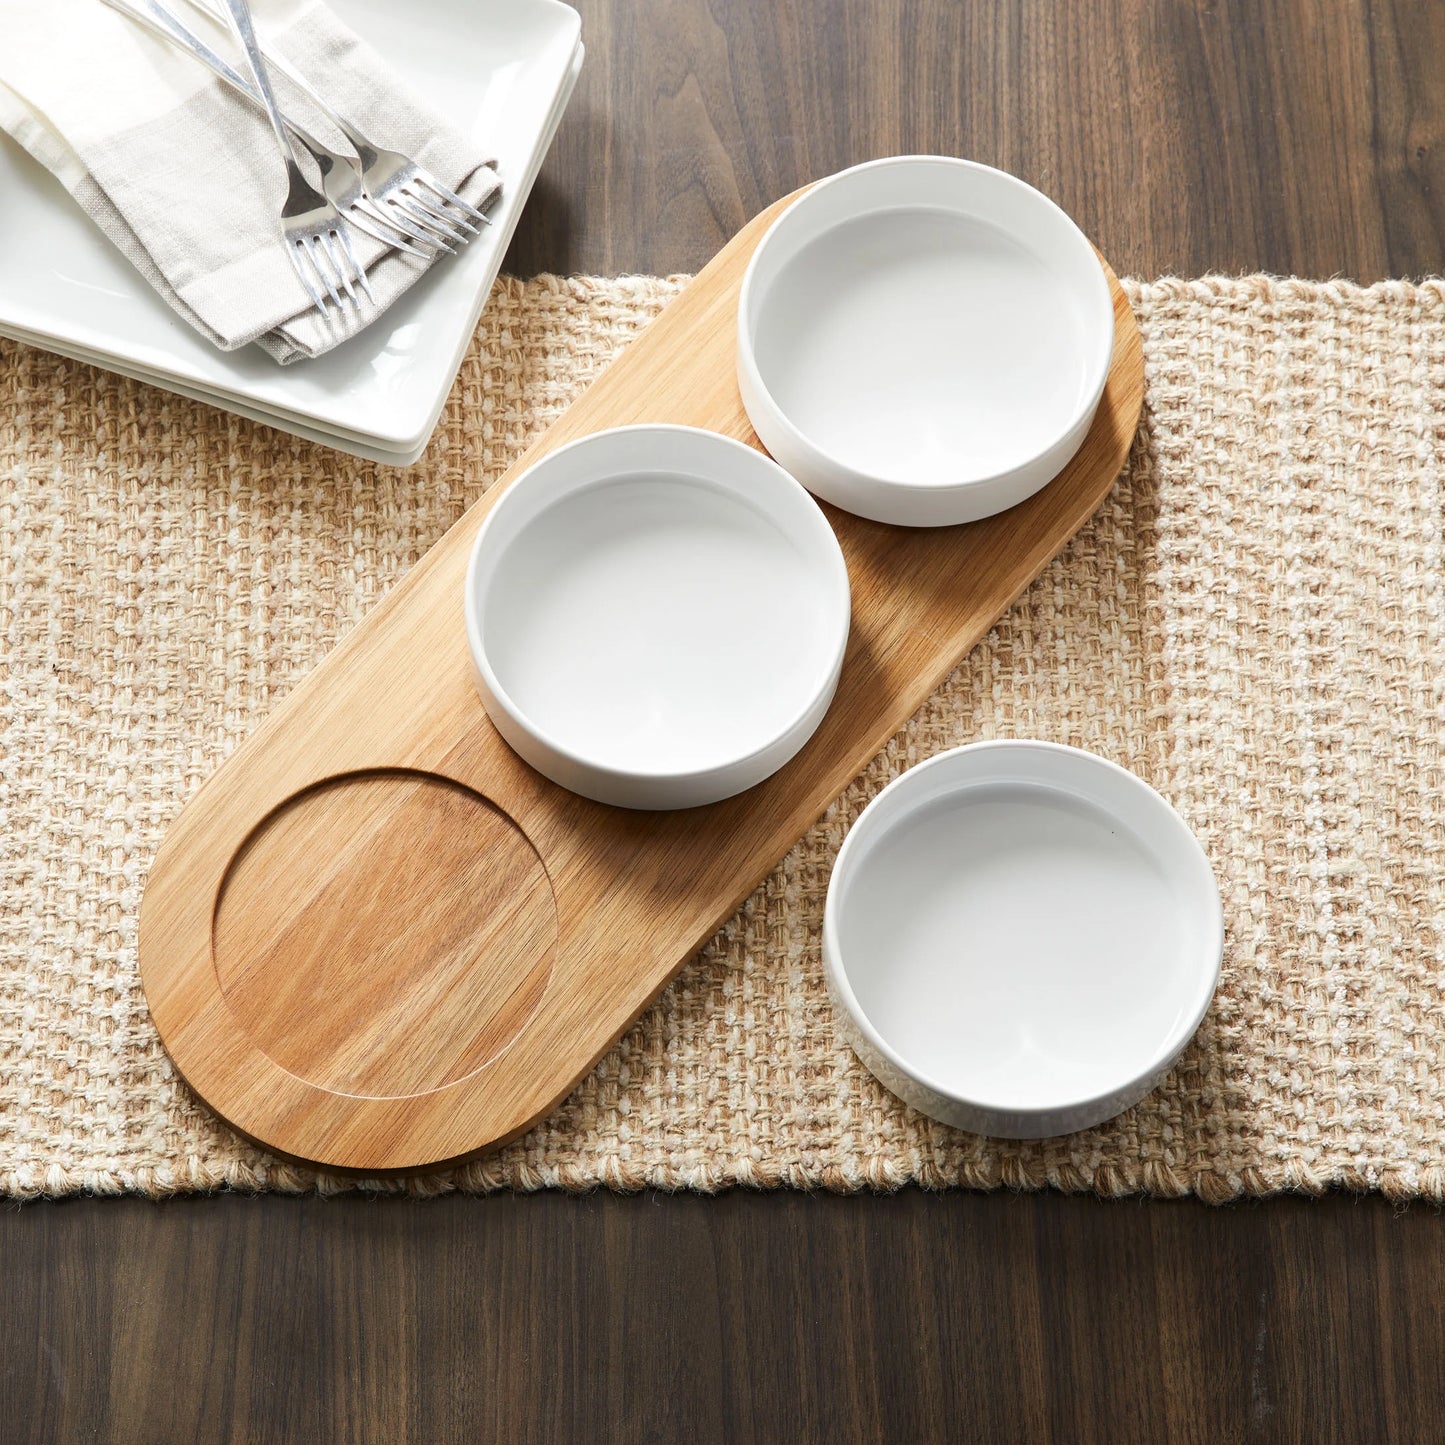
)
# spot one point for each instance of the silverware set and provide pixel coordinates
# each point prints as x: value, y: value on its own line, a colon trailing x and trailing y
x: 380, y: 192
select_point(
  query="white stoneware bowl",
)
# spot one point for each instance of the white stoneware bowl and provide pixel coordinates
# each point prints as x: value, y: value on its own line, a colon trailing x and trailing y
x: 657, y: 616
x: 923, y: 340
x: 1020, y: 938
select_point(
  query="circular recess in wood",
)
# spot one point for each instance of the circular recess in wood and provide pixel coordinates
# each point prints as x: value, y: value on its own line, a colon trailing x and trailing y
x: 384, y: 934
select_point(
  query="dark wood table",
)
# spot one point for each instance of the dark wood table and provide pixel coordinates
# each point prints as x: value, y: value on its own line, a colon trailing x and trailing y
x: 1286, y: 135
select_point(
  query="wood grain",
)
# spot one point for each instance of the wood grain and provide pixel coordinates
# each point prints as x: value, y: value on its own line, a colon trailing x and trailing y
x: 282, y: 1005
x: 1294, y: 136
x: 1187, y: 137
x: 383, y: 989
x: 743, y: 1318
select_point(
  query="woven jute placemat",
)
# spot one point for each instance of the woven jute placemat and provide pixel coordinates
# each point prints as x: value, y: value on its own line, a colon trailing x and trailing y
x: 1254, y: 622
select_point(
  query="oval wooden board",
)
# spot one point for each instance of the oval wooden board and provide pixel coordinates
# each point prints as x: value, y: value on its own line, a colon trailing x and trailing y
x: 376, y: 940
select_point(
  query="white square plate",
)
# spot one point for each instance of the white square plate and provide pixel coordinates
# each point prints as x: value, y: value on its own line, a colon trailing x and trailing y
x: 500, y: 70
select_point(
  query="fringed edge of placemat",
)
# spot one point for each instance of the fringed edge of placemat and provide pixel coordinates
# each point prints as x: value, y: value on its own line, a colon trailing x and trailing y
x: 1249, y: 288
x: 1150, y: 1180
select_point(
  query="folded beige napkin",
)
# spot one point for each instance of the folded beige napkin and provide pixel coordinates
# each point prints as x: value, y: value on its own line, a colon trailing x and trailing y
x: 185, y: 176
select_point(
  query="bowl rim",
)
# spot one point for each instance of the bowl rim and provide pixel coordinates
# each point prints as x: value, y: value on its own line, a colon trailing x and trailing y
x: 826, y: 550
x: 1102, y: 329
x: 1205, y: 984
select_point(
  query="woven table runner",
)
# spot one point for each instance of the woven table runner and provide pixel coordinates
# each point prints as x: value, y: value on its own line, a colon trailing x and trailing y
x: 1254, y: 622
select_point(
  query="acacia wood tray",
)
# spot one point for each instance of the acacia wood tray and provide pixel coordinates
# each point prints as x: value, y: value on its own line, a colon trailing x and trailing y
x: 376, y: 940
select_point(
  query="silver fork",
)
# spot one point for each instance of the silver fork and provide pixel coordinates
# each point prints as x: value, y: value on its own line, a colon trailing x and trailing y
x: 340, y: 176
x: 392, y: 179
x: 311, y: 224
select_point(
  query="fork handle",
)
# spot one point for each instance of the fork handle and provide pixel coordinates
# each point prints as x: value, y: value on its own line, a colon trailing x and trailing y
x: 275, y: 58
x: 161, y: 21
x: 240, y: 14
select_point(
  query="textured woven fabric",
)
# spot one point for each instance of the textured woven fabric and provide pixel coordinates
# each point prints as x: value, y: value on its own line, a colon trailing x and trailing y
x: 1253, y: 622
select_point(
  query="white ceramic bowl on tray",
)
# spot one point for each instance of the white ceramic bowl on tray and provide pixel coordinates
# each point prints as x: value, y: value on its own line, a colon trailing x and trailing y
x: 1020, y: 938
x: 923, y: 340
x: 657, y: 616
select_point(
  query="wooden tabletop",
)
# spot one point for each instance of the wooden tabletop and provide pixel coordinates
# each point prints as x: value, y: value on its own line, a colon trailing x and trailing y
x: 1299, y: 136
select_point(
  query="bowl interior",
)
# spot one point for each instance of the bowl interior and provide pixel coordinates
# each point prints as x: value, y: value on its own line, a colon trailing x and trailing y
x: 662, y: 620
x: 1030, y: 940
x: 929, y: 322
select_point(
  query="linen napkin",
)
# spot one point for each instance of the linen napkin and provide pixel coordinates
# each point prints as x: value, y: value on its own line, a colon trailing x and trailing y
x: 185, y: 176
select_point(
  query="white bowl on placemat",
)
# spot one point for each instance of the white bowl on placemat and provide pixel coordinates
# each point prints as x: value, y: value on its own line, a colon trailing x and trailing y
x: 1020, y: 938
x: 502, y: 72
x: 923, y: 340
x: 657, y: 616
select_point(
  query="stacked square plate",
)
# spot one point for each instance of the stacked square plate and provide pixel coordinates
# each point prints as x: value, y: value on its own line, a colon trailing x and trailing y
x: 501, y: 70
